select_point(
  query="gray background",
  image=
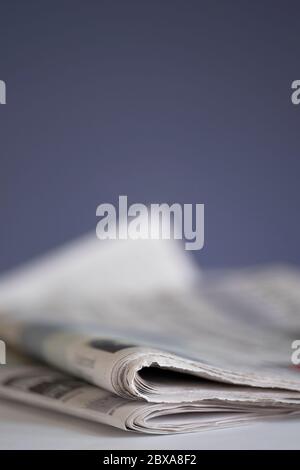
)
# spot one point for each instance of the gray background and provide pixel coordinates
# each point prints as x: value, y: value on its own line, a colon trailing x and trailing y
x: 165, y: 101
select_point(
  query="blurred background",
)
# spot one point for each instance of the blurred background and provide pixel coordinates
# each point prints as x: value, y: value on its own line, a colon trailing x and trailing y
x: 164, y: 101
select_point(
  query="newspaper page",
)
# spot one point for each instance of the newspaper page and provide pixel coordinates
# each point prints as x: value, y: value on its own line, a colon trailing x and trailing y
x: 46, y: 388
x: 199, y: 342
x: 205, y: 332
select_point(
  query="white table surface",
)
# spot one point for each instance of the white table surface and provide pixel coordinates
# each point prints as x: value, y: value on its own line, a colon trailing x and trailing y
x: 24, y: 427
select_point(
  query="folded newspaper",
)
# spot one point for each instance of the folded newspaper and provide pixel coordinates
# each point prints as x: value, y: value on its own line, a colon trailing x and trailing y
x: 44, y: 387
x: 149, y: 343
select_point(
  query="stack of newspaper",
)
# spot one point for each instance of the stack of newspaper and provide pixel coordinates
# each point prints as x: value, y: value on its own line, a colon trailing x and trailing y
x: 129, y: 333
